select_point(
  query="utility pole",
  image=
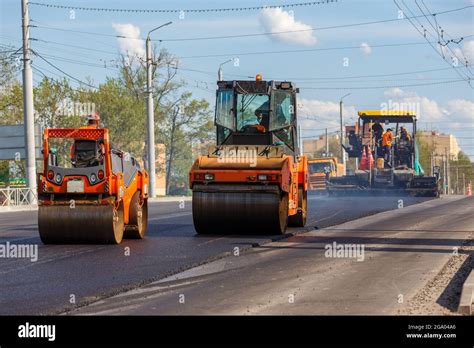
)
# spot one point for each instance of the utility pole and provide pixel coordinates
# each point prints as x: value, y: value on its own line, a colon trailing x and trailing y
x: 327, y: 143
x: 300, y: 139
x: 343, y: 157
x: 28, y: 107
x: 150, y: 114
x: 448, y: 178
x: 445, y: 180
x: 431, y: 163
x: 457, y: 180
x: 463, y: 183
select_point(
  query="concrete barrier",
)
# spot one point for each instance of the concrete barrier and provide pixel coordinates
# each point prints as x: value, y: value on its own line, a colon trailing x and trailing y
x: 467, y: 295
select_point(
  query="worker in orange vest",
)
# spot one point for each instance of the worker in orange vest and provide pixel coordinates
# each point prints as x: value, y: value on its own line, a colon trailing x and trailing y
x: 387, y: 139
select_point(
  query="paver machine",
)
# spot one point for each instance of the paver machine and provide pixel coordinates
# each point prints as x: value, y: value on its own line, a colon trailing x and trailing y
x: 254, y: 180
x: 95, y: 194
x: 401, y: 172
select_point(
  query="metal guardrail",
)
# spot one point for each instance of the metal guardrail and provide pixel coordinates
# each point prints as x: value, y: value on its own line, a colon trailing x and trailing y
x: 14, y: 197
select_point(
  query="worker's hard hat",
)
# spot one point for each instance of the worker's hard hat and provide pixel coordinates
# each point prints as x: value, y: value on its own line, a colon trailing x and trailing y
x: 93, y: 117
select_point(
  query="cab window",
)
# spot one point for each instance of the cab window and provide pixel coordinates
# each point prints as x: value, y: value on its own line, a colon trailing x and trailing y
x: 224, y: 109
x: 283, y: 107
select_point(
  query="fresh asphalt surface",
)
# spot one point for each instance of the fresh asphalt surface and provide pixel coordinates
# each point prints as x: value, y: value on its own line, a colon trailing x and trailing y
x: 404, y: 251
x: 87, y: 273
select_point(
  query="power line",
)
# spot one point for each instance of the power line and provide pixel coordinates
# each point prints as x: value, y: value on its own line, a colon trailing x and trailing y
x: 306, y: 50
x: 440, y: 36
x: 78, y: 62
x: 466, y: 78
x: 231, y: 9
x: 62, y: 71
x: 36, y: 68
x: 383, y: 87
x: 246, y: 35
x: 75, y: 46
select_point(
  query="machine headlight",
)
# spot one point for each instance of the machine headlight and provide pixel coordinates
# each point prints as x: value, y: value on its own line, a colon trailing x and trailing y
x: 93, y: 178
x: 208, y: 176
x: 58, y: 178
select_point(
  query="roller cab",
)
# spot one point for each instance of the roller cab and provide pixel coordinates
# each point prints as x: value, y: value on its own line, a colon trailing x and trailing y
x: 253, y: 180
x: 89, y: 192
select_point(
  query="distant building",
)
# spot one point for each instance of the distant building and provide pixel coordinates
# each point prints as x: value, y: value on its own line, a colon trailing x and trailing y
x: 160, y: 165
x: 160, y: 168
x: 441, y: 143
x: 313, y: 146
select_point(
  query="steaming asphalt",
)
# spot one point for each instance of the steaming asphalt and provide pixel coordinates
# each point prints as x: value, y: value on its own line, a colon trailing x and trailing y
x: 66, y: 276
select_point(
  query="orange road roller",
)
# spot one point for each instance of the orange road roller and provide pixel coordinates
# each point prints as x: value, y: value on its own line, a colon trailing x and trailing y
x: 254, y: 180
x: 89, y: 192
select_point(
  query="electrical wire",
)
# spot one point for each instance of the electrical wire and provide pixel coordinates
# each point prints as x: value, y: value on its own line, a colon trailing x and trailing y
x: 383, y: 87
x: 62, y: 71
x: 466, y: 78
x: 231, y: 9
x: 248, y: 35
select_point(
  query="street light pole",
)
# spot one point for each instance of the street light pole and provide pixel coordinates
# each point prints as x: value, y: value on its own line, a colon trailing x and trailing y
x: 29, y: 118
x: 343, y: 157
x: 150, y: 114
x: 220, y: 72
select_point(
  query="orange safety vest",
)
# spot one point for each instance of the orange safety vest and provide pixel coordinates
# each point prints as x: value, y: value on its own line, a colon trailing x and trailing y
x: 387, y: 139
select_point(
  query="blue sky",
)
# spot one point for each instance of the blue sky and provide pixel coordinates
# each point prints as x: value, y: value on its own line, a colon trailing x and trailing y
x: 444, y: 106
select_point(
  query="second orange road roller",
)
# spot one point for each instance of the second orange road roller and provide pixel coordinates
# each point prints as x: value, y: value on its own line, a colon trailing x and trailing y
x: 89, y: 192
x: 254, y: 180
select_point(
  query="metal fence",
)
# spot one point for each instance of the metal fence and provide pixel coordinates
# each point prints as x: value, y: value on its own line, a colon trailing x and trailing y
x: 14, y: 197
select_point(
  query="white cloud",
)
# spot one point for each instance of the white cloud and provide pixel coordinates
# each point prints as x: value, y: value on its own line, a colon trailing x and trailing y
x: 467, y: 52
x: 454, y: 111
x: 132, y: 45
x: 427, y: 110
x: 397, y: 92
x: 461, y: 111
x: 365, y: 48
x: 277, y: 20
x: 323, y: 114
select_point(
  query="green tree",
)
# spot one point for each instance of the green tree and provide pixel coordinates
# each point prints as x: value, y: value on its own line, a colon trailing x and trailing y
x: 461, y: 173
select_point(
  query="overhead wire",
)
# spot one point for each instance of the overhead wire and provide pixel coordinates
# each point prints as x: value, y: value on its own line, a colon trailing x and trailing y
x: 201, y: 10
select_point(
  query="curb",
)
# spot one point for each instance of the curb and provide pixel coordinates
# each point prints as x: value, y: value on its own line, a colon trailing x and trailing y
x: 467, y: 296
x: 170, y: 199
x: 11, y: 209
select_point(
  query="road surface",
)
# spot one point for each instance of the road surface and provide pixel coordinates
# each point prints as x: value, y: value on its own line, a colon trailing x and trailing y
x: 66, y: 277
x: 404, y: 251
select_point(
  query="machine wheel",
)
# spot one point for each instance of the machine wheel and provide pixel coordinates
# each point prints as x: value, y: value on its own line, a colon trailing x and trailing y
x: 283, y: 210
x: 138, y: 218
x: 81, y: 224
x: 299, y: 219
x: 240, y: 212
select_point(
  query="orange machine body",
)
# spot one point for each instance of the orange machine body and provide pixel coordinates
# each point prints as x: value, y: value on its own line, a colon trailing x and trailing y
x: 108, y: 188
x: 286, y: 171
